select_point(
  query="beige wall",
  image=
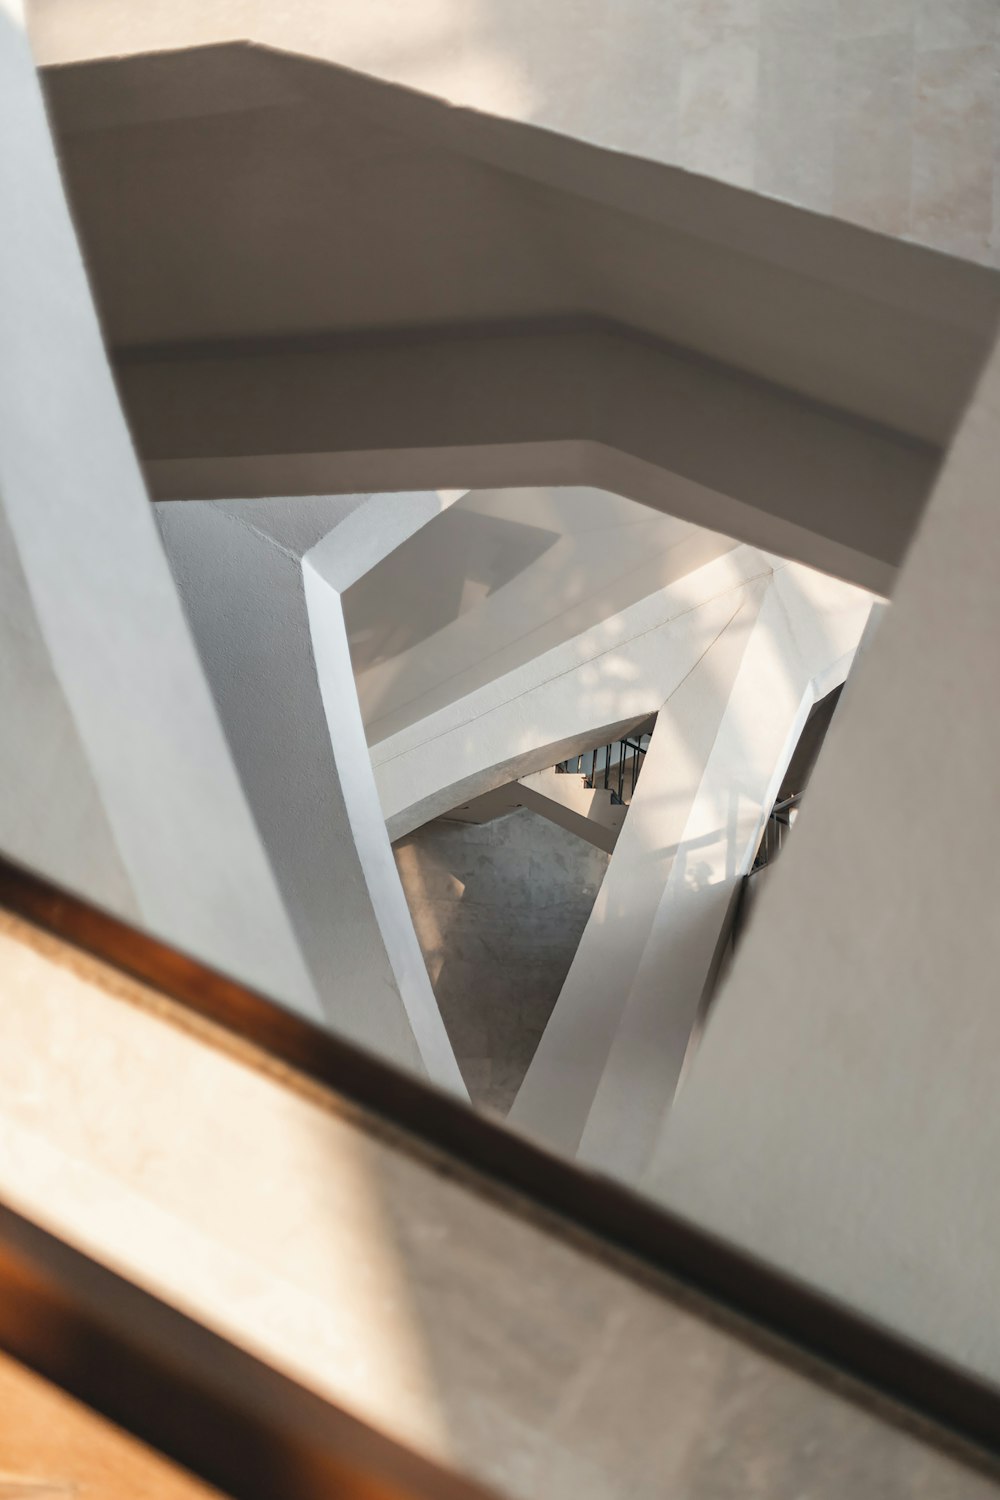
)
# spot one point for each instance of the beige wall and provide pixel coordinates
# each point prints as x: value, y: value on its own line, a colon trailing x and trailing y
x: 883, y: 112
x: 423, y: 1300
x: 841, y: 1117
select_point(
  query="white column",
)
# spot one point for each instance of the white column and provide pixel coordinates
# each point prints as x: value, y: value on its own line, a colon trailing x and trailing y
x: 785, y: 666
x: 559, y: 1086
x: 601, y: 682
x: 841, y: 1117
x: 605, y: 1072
x: 255, y: 577
x: 118, y: 781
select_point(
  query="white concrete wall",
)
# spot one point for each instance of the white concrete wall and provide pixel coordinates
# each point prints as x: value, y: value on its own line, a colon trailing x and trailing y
x: 710, y: 443
x: 495, y: 581
x: 581, y: 693
x: 800, y: 647
x: 559, y: 1089
x: 51, y: 814
x: 882, y: 113
x: 117, y: 777
x: 840, y: 1118
x: 603, y: 1078
x: 270, y: 629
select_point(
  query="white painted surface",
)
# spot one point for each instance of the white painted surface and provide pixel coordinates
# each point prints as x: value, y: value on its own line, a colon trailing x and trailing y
x: 366, y: 830
x: 597, y: 407
x: 798, y: 648
x: 500, y: 578
x: 478, y: 1334
x: 581, y: 693
x: 559, y: 1088
x: 565, y: 800
x: 881, y: 113
x: 840, y: 1118
x: 271, y: 633
x: 140, y: 806
x: 586, y: 811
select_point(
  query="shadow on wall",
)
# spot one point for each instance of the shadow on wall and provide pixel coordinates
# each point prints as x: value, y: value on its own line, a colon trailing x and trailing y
x: 434, y: 578
x: 499, y: 909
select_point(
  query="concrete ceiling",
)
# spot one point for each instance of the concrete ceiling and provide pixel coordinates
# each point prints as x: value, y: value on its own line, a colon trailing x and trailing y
x: 303, y: 275
x: 233, y: 193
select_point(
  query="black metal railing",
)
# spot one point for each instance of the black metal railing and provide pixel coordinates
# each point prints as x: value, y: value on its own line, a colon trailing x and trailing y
x: 622, y: 761
x: 776, y: 831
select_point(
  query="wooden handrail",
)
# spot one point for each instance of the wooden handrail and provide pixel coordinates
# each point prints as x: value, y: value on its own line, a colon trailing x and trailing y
x: 827, y: 1339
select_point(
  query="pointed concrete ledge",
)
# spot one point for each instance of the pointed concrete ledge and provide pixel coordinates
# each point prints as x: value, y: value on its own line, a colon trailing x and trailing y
x: 126, y: 790
x: 840, y: 1117
x: 261, y: 581
x: 604, y: 1075
x: 588, y: 690
x: 790, y: 381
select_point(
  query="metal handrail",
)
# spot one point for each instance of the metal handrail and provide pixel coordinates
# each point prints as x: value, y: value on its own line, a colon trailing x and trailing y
x: 774, y: 832
x: 628, y: 749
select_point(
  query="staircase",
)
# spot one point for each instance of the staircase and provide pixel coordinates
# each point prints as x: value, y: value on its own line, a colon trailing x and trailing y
x: 588, y: 794
x: 612, y: 768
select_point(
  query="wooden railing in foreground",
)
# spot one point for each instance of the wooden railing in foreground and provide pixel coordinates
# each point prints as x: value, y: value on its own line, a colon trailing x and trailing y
x: 240, y: 1425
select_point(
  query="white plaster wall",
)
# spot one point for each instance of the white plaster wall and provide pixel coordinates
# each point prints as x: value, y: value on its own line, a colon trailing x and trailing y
x: 495, y: 581
x: 801, y: 644
x: 840, y: 1118
x: 609, y: 677
x: 603, y: 1078
x: 883, y: 112
x: 271, y: 634
x: 51, y: 814
x: 115, y: 761
x: 565, y: 1074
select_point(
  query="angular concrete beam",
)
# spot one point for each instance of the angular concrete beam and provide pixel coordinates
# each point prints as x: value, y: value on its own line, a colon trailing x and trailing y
x: 811, y: 312
x: 573, y: 405
x: 586, y: 811
x: 504, y: 577
x: 258, y: 580
x: 118, y: 778
x: 799, y: 649
x: 565, y: 1073
x: 840, y: 1117
x: 604, y: 1075
x: 562, y: 799
x: 589, y: 690
x: 614, y: 77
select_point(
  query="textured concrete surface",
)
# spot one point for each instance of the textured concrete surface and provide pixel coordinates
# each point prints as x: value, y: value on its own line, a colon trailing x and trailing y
x: 408, y: 218
x: 841, y: 1115
x: 499, y: 909
x: 883, y: 112
x: 271, y: 637
x: 117, y: 778
x: 603, y: 1078
x: 428, y: 1306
